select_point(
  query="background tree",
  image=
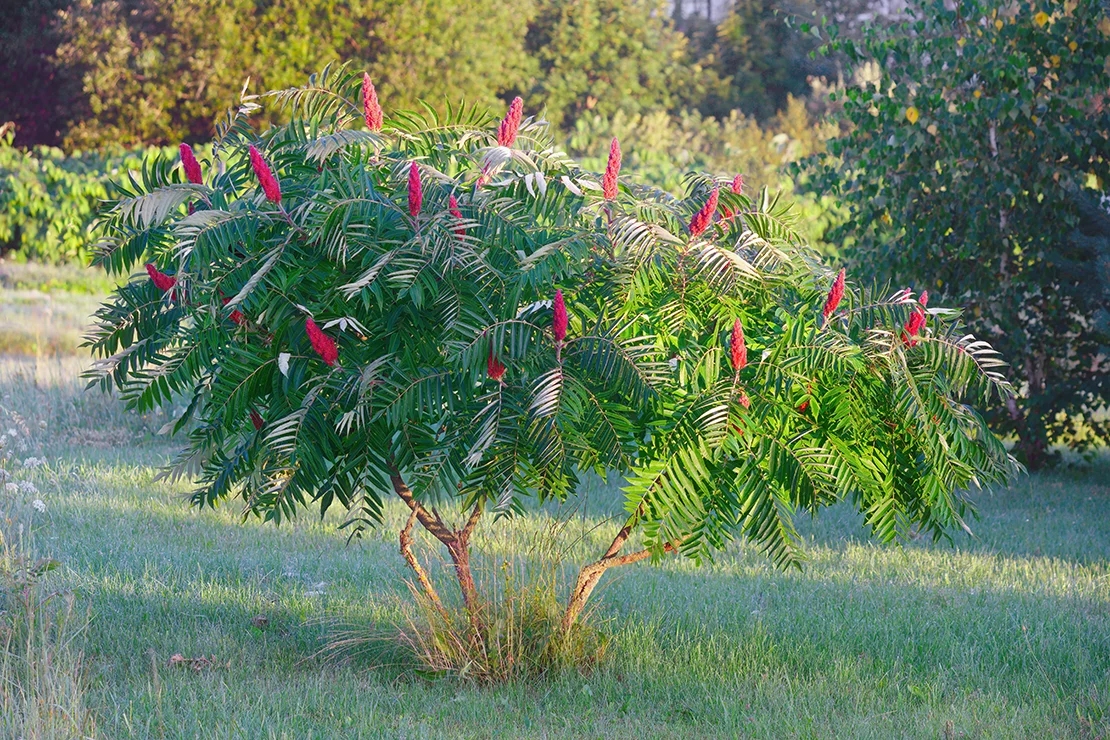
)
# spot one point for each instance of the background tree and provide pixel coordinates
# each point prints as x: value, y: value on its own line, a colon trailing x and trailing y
x: 765, y: 57
x: 450, y: 312
x: 965, y: 167
x: 155, y: 72
x: 35, y: 94
x: 604, y: 56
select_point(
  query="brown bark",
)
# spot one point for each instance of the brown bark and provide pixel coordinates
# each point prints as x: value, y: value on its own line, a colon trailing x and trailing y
x: 421, y: 574
x: 591, y: 573
x: 457, y: 543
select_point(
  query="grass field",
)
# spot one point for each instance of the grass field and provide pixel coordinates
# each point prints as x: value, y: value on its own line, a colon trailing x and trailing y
x: 1004, y: 634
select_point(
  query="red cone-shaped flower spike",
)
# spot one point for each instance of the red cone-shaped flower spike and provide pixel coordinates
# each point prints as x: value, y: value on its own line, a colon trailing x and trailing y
x: 738, y: 184
x: 559, y: 323
x: 256, y: 419
x: 836, y: 292
x: 924, y: 299
x: 506, y: 132
x: 703, y: 218
x: 371, y: 109
x: 416, y: 195
x: 321, y: 342
x: 265, y: 176
x: 161, y: 280
x: 914, y: 325
x: 737, y: 347
x: 612, y: 171
x: 745, y: 401
x: 191, y: 166
x: 453, y: 207
x: 494, y: 369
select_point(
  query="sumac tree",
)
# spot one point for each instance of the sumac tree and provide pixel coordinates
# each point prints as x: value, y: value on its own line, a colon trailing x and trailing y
x: 449, y: 310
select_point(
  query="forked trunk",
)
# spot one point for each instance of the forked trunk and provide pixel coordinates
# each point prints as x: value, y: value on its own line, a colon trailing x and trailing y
x: 457, y: 543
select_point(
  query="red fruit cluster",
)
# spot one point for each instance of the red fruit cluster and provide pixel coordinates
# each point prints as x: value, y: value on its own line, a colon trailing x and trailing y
x: 916, y: 321
x: 506, y: 132
x: 265, y: 176
x: 703, y: 218
x: 191, y: 166
x: 559, y: 322
x: 371, y: 109
x: 737, y: 347
x: 612, y: 171
x: 836, y: 292
x: 494, y: 369
x: 416, y: 194
x: 745, y: 401
x: 321, y: 342
x: 738, y: 184
x: 161, y: 280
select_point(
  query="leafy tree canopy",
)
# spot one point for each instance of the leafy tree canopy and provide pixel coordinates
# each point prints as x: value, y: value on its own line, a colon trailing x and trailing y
x: 448, y: 310
x: 983, y: 129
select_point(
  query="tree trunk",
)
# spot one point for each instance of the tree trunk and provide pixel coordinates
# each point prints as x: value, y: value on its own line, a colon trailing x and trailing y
x: 457, y: 543
x: 421, y: 574
x: 1032, y: 447
x: 591, y: 573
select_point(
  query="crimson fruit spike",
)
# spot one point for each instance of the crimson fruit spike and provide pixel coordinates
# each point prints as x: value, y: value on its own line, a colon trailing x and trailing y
x: 321, y: 342
x: 265, y: 176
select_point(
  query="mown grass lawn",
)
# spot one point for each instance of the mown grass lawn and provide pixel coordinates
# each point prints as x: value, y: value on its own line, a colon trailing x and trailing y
x: 1003, y: 634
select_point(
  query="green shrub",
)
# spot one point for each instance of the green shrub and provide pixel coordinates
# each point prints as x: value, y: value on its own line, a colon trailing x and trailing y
x: 462, y: 317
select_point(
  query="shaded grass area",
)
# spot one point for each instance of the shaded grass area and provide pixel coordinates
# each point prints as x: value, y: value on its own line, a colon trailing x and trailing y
x: 1004, y: 634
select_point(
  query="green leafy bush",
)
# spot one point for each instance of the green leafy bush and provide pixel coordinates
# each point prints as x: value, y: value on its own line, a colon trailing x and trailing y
x: 48, y: 200
x: 454, y: 313
x: 980, y: 133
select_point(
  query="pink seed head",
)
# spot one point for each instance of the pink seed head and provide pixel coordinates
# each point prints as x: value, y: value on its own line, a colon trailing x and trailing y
x: 737, y: 347
x: 559, y: 322
x: 506, y: 132
x: 265, y: 176
x: 416, y: 194
x: 371, y: 109
x: 191, y: 166
x: 321, y: 342
x: 836, y: 292
x: 703, y: 218
x: 612, y: 171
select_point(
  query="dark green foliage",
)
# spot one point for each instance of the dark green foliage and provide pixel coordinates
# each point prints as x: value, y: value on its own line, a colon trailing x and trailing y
x: 642, y: 386
x: 968, y: 158
x: 35, y: 93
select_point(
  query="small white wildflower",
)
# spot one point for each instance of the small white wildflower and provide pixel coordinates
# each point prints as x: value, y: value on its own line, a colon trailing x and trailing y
x: 34, y: 462
x: 13, y: 433
x: 27, y: 487
x: 40, y: 505
x: 11, y: 488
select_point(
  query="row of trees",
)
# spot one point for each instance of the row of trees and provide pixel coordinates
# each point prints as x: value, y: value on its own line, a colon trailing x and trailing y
x: 92, y: 73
